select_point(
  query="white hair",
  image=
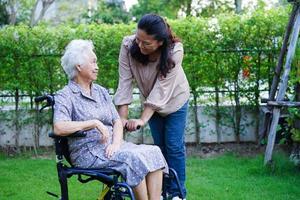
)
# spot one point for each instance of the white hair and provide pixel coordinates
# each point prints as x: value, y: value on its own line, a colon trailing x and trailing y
x: 75, y: 54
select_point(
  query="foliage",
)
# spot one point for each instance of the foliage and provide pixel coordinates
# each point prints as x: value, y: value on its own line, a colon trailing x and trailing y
x: 214, y: 7
x: 294, y: 82
x: 294, y: 114
x: 171, y: 8
x: 23, y: 9
x: 109, y: 12
x: 149, y: 6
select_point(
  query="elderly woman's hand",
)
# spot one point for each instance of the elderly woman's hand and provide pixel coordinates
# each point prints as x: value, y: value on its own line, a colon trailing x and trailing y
x: 134, y: 124
x: 111, y: 149
x: 103, y: 130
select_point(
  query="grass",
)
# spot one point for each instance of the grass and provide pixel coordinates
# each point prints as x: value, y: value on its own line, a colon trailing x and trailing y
x: 233, y: 177
x: 223, y: 177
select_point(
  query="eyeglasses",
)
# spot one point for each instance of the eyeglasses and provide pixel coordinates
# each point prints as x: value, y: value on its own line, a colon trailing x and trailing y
x: 143, y: 43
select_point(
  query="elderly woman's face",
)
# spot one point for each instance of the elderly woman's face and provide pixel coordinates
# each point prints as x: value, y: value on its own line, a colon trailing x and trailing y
x: 146, y: 43
x: 89, y: 70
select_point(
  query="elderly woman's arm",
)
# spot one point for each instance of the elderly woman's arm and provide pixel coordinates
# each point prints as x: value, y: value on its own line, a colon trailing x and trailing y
x: 117, y: 138
x: 64, y: 128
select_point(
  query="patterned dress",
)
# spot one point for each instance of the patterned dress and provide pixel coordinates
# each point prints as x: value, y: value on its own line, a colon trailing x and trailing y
x: 133, y: 161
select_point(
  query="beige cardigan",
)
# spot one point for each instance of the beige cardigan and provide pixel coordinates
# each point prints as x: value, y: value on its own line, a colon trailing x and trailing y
x: 164, y: 95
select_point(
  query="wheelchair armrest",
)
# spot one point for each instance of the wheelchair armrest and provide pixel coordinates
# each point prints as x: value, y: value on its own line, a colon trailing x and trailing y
x: 76, y: 134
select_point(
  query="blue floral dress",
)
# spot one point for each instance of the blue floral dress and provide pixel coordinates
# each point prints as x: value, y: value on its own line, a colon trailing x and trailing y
x: 133, y: 161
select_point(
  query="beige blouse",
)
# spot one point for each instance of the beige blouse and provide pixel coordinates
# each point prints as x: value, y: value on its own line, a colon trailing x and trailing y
x: 164, y: 95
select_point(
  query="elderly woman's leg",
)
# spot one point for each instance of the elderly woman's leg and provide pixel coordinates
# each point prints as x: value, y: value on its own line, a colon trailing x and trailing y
x: 154, y: 184
x: 140, y: 191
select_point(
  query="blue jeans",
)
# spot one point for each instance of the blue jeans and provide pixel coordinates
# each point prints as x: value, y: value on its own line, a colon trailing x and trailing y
x: 168, y: 134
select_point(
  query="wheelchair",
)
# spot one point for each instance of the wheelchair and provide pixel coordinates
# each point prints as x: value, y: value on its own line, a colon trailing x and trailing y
x: 115, y: 187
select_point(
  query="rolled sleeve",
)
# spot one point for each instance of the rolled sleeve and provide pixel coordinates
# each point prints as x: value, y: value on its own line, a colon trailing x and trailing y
x: 164, y: 87
x: 123, y: 95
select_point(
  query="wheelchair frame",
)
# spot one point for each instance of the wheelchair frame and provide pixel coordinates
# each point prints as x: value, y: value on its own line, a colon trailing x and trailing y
x: 115, y: 187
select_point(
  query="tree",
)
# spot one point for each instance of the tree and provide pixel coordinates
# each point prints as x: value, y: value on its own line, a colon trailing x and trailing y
x: 171, y: 8
x: 13, y: 11
x: 40, y: 13
x: 147, y: 6
x: 204, y: 8
x: 185, y: 5
x: 166, y: 8
x: 3, y: 14
x: 109, y: 12
x: 238, y: 6
x: 10, y: 11
x: 213, y: 7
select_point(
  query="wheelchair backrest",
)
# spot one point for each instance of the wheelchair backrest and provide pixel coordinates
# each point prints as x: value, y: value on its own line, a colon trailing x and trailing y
x: 61, y: 143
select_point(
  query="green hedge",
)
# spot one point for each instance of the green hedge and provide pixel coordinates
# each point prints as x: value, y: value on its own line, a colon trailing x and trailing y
x: 214, y: 53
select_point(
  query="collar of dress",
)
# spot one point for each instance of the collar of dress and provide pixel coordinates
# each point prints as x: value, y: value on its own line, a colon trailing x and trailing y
x: 77, y: 89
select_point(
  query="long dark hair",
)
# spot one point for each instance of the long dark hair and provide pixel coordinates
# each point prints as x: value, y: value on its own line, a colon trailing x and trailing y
x: 156, y: 26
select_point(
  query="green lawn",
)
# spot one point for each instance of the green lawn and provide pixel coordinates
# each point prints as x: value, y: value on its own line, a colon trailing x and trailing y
x: 224, y: 177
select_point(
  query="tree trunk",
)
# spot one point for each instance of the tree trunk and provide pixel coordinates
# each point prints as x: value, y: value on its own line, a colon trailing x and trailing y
x: 188, y: 7
x: 36, y: 132
x: 17, y: 121
x: 238, y: 6
x: 217, y: 100
x: 11, y: 9
x: 218, y: 113
x: 197, y: 126
x: 257, y: 97
x: 237, y: 112
x: 45, y: 5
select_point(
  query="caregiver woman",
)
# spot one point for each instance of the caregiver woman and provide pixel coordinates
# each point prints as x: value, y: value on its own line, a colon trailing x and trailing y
x: 153, y: 59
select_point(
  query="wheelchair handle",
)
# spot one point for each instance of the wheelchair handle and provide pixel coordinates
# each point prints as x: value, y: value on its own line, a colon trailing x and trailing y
x: 49, y: 102
x: 137, y: 128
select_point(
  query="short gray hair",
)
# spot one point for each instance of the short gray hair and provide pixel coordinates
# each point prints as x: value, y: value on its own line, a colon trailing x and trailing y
x: 75, y: 55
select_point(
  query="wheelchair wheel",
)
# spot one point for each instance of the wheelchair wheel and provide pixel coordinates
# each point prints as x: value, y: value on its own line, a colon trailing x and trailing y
x: 119, y: 191
x: 108, y: 195
x: 112, y: 195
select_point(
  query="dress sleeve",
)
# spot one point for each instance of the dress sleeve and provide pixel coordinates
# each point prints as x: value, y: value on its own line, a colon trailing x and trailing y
x: 123, y: 95
x: 163, y: 88
x: 62, y: 108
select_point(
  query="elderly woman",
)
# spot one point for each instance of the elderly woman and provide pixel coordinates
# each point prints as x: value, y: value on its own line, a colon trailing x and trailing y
x: 84, y: 105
